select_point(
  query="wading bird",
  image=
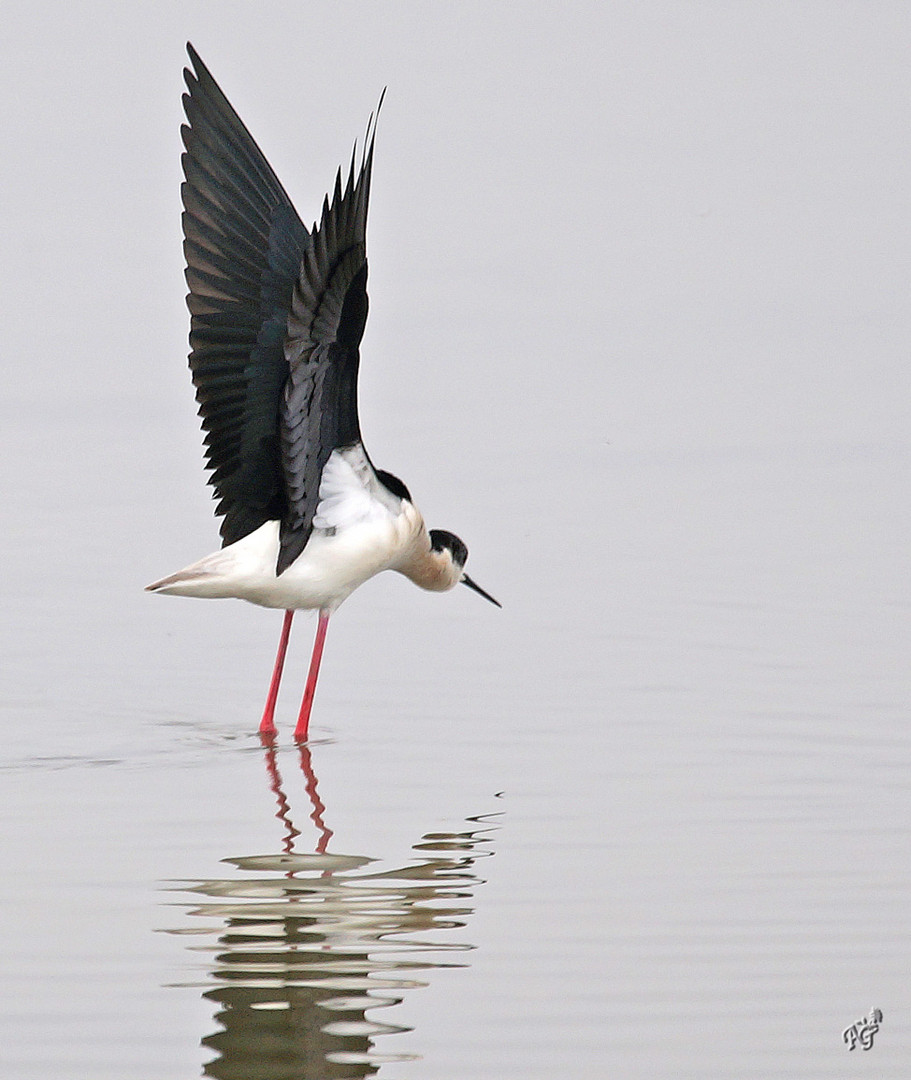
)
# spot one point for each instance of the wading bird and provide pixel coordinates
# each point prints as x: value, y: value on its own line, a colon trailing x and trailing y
x: 277, y: 315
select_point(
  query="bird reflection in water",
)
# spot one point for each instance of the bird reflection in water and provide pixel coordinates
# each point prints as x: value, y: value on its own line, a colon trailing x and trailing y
x: 314, y: 941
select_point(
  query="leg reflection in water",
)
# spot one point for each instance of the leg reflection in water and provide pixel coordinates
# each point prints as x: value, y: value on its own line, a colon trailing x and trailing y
x: 314, y: 941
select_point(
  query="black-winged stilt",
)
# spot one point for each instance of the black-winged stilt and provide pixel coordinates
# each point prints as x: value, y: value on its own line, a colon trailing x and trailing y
x: 277, y: 316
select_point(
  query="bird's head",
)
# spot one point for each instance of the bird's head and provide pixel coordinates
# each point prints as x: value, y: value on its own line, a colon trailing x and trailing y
x: 451, y: 554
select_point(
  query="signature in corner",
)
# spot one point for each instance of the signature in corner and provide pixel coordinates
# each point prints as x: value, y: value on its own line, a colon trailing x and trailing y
x: 863, y: 1030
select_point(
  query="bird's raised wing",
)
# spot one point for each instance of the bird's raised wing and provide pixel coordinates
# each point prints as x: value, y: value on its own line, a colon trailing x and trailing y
x: 244, y: 246
x: 328, y: 313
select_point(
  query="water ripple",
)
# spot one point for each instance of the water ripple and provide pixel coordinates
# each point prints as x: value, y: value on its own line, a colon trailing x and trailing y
x: 314, y: 940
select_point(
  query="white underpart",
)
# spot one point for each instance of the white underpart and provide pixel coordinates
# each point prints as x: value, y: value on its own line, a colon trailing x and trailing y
x: 360, y: 528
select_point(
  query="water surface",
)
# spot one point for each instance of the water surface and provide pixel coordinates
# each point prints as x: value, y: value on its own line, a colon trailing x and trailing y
x: 639, y: 334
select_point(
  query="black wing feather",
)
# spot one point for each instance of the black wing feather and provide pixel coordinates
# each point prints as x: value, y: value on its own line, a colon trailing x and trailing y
x: 325, y: 327
x: 244, y: 246
x: 277, y: 316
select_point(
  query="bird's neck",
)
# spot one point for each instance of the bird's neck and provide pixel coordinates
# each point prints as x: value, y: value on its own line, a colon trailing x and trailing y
x: 433, y: 570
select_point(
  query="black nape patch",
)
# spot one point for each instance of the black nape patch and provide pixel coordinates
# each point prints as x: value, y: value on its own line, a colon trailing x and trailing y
x: 441, y: 540
x: 393, y: 484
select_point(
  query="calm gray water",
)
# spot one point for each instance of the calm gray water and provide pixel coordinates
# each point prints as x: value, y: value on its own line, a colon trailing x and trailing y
x: 639, y: 334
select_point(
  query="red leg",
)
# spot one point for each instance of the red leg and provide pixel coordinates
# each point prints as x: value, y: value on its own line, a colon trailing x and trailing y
x: 303, y: 720
x: 267, y: 724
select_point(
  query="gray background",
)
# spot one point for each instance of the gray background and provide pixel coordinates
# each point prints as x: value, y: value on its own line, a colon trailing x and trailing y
x: 639, y: 334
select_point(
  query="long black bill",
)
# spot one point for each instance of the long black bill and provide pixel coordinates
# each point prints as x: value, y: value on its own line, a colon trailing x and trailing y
x: 466, y: 580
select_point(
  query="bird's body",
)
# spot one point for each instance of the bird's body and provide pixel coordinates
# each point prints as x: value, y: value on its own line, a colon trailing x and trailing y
x: 277, y: 316
x: 360, y: 528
